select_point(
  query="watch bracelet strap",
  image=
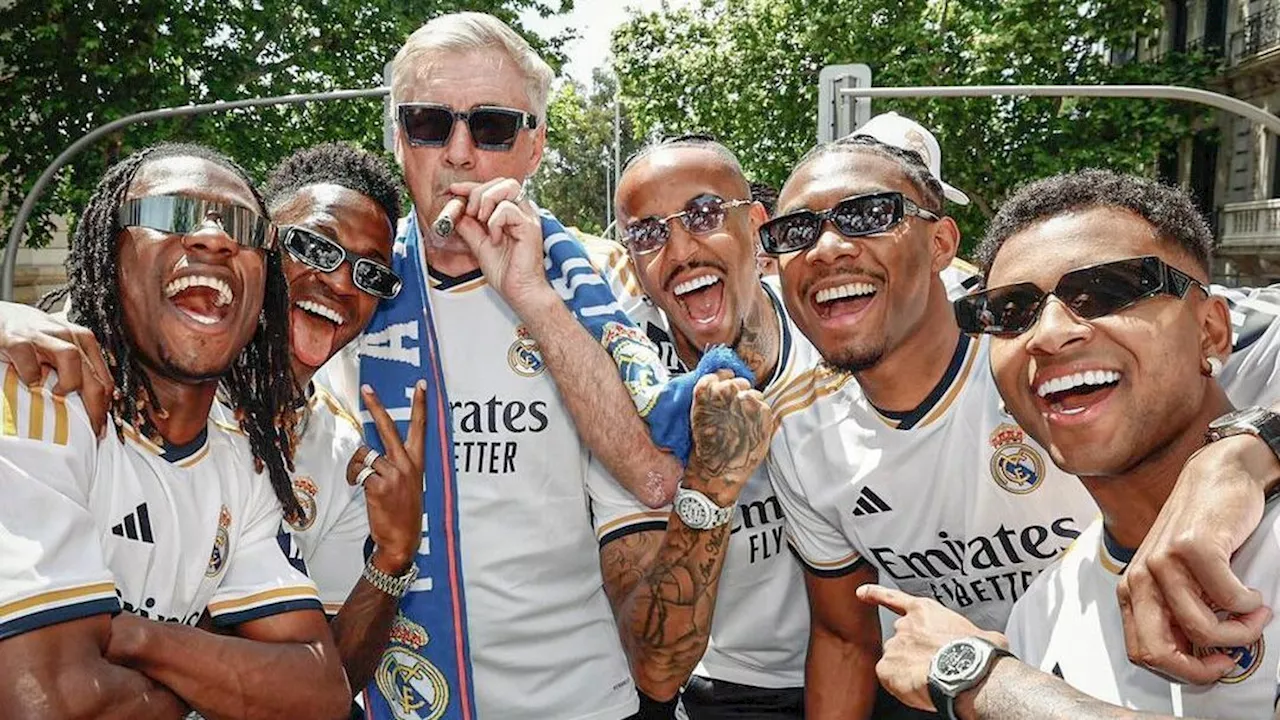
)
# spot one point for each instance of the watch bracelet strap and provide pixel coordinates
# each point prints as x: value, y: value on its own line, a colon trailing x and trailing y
x: 723, y: 515
x: 393, y: 585
x: 1272, y: 437
x: 943, y: 703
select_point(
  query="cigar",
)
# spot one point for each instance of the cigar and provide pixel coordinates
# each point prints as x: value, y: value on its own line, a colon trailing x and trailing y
x: 449, y: 214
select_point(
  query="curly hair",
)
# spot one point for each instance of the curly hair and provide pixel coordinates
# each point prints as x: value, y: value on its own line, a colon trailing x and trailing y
x: 913, y: 166
x: 259, y: 383
x: 337, y: 164
x: 1169, y: 210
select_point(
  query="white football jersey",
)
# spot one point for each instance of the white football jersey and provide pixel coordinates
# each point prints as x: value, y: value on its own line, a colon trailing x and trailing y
x: 542, y: 635
x: 951, y: 501
x: 90, y: 527
x: 1069, y: 624
x: 613, y: 262
x: 331, y: 542
x: 1252, y: 372
x: 760, y: 629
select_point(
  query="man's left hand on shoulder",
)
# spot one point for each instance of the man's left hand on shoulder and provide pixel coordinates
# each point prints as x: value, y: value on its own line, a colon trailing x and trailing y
x: 1182, y: 571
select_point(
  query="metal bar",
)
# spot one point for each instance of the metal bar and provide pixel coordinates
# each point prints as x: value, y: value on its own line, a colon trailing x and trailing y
x: 9, y: 268
x: 1160, y: 92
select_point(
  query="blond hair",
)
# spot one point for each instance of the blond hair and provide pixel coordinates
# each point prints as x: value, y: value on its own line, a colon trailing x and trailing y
x: 466, y: 32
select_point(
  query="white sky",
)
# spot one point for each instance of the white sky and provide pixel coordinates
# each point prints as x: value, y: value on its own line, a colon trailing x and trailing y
x: 594, y: 21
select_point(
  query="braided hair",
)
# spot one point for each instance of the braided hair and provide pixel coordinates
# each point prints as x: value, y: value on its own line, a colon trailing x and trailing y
x: 259, y: 383
x: 910, y: 162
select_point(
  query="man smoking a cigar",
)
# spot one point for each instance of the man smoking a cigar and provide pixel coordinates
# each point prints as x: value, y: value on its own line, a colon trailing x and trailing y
x: 470, y: 102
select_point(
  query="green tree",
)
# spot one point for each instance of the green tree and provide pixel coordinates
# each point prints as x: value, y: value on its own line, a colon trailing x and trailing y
x: 576, y: 176
x: 746, y: 71
x: 68, y: 66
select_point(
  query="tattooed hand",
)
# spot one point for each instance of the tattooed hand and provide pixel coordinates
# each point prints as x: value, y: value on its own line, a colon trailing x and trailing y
x: 732, y: 426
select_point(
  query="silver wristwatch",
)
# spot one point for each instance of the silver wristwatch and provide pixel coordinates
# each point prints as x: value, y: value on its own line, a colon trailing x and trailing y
x: 698, y: 511
x: 958, y: 666
x: 1251, y: 421
x: 395, y: 586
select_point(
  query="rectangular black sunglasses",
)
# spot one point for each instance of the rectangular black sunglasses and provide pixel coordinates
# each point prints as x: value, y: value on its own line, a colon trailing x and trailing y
x: 852, y: 217
x: 491, y: 127
x: 324, y: 254
x: 1089, y: 292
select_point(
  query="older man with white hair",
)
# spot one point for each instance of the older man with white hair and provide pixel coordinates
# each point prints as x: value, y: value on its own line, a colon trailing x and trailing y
x: 508, y: 617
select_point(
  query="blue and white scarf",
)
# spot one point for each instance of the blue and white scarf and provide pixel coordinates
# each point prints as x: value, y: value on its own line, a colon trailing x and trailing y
x: 426, y: 668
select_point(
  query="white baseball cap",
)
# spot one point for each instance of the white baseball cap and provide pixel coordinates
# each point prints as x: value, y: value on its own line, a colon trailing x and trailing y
x: 893, y: 129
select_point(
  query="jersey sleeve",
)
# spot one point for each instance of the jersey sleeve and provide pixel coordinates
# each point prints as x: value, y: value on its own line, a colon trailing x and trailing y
x: 1251, y: 375
x: 335, y: 557
x: 612, y: 261
x: 260, y: 581
x: 52, y: 565
x: 615, y: 512
x: 822, y: 548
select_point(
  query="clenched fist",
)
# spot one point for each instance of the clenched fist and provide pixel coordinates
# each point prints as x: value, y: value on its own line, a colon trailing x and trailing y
x: 732, y: 426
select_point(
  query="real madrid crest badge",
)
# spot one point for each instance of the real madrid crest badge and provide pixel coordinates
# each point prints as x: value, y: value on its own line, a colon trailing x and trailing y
x: 638, y: 362
x: 1247, y: 659
x: 304, y: 488
x: 413, y: 688
x: 523, y: 356
x: 221, y: 544
x: 1015, y: 465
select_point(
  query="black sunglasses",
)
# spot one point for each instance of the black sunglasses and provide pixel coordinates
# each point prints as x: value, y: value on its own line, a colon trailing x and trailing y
x: 491, y: 127
x: 183, y: 215
x: 1089, y: 292
x: 324, y: 254
x: 852, y: 217
x: 701, y: 215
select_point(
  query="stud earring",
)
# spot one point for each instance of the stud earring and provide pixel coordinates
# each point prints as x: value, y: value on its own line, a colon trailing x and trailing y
x: 1214, y: 367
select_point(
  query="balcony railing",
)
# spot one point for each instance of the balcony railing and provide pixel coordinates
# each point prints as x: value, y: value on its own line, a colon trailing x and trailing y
x: 1250, y: 225
x: 1261, y: 32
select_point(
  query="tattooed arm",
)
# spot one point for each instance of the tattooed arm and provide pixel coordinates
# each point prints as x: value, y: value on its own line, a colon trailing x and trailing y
x: 663, y: 585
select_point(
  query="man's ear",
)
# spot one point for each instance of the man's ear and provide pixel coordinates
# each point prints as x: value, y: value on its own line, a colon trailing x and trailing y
x: 539, y: 146
x: 398, y: 146
x: 759, y: 216
x: 1215, y: 328
x: 944, y: 244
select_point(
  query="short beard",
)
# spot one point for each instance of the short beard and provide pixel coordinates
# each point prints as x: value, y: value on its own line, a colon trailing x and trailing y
x: 168, y: 367
x: 852, y: 362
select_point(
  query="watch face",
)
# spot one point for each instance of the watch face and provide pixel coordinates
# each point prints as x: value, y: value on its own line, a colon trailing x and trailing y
x: 692, y: 512
x: 957, y: 660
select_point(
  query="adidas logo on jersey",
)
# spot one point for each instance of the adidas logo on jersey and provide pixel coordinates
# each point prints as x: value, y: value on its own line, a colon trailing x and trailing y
x: 135, y: 526
x: 869, y: 503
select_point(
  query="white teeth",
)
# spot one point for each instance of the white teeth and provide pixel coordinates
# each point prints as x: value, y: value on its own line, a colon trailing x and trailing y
x: 692, y: 284
x: 316, y: 308
x: 1068, y: 382
x: 224, y: 290
x: 846, y: 290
